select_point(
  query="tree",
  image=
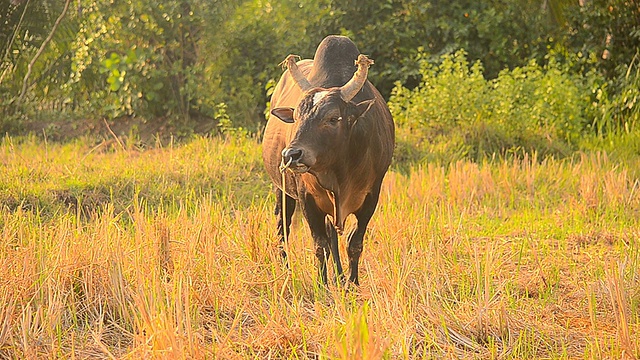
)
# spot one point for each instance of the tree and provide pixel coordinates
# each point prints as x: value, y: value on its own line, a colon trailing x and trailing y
x: 608, y: 29
x: 35, y: 55
x: 25, y: 81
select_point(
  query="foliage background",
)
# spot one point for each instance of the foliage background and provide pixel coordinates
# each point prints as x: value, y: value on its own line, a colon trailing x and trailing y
x: 477, y: 78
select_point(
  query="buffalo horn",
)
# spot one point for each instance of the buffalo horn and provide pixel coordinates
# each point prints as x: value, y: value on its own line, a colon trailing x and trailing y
x: 298, y: 76
x: 349, y: 90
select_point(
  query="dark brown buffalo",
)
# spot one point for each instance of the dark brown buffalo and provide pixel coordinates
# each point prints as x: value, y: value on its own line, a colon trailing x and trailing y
x: 335, y: 132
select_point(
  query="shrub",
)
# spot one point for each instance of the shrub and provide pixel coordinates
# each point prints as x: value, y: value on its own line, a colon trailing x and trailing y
x: 457, y: 113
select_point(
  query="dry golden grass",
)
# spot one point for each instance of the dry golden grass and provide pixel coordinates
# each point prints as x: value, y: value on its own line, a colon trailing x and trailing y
x: 170, y: 253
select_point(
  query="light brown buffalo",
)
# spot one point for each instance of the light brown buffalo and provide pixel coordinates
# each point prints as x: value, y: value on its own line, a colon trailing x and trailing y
x: 333, y: 129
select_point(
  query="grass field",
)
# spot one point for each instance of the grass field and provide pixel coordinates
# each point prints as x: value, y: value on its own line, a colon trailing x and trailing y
x: 110, y: 251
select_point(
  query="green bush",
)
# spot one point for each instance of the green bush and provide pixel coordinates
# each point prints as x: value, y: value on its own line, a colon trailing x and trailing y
x: 455, y: 112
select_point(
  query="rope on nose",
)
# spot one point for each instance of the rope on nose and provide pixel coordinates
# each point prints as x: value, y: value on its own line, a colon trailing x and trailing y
x: 284, y: 167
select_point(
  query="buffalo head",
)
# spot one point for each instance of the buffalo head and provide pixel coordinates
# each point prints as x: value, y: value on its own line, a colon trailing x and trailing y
x: 323, y: 120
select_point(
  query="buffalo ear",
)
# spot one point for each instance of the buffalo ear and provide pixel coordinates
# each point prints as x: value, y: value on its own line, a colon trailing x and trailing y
x: 361, y: 109
x: 283, y: 113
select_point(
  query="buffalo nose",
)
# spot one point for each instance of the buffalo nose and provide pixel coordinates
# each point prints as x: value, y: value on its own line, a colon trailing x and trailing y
x: 291, y: 155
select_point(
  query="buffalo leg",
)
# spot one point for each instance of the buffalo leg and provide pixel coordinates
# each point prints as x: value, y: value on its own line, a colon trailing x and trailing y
x: 356, y: 236
x: 316, y: 221
x: 335, y: 252
x: 290, y: 205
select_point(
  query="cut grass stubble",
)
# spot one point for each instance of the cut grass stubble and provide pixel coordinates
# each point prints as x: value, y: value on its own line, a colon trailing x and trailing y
x: 505, y: 259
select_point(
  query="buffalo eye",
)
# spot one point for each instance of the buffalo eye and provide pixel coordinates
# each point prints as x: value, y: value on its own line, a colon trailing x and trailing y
x: 334, y: 120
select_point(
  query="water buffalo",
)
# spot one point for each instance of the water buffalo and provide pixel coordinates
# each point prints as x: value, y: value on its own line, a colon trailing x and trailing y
x: 333, y: 130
